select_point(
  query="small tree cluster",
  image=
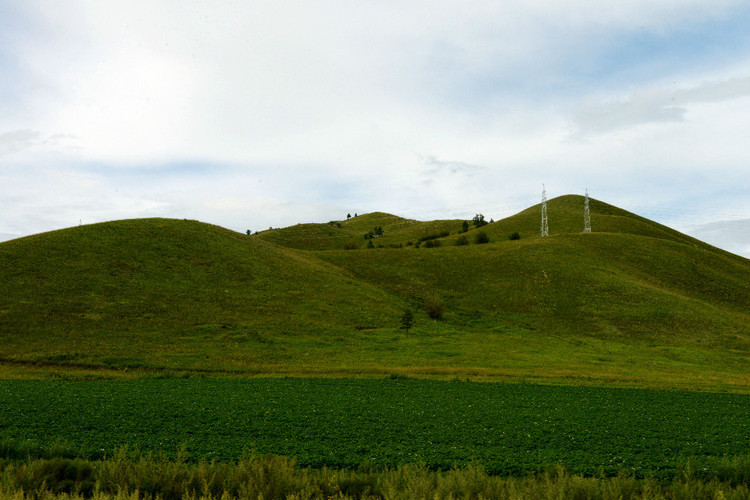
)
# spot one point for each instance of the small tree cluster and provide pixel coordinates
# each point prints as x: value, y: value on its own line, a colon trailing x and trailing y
x: 514, y: 236
x: 377, y: 231
x: 479, y: 220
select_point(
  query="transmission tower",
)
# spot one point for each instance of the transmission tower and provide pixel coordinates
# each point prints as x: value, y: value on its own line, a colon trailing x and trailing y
x: 586, y: 214
x: 545, y: 226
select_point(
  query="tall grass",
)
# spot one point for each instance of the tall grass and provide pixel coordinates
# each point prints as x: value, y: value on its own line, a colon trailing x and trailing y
x: 131, y: 475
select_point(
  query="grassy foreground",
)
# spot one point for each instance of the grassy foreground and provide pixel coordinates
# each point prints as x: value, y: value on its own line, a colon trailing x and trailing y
x: 133, y: 476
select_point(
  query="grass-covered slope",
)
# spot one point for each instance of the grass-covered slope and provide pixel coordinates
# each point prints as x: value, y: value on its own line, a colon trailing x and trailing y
x: 350, y: 233
x: 633, y: 303
x: 565, y: 216
x: 172, y: 293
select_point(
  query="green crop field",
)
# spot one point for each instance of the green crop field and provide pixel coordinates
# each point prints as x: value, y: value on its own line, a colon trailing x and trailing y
x: 510, y: 429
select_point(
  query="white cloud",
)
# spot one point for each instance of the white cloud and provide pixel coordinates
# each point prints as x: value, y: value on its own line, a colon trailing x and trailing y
x: 654, y: 105
x: 293, y: 112
x: 732, y: 235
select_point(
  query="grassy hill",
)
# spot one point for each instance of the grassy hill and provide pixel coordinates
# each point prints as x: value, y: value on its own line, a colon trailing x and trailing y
x: 336, y: 235
x: 632, y: 304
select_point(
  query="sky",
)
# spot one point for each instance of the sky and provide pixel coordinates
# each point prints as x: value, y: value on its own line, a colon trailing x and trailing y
x: 263, y: 114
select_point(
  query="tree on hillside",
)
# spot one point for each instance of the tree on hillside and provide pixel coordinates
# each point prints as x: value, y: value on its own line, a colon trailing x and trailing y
x: 465, y: 226
x: 479, y: 220
x: 407, y: 321
x: 348, y: 216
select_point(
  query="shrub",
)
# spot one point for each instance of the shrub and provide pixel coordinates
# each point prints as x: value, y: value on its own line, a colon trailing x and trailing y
x: 481, y: 237
x: 59, y: 475
x: 351, y: 246
x: 434, y: 236
x: 432, y: 243
x: 462, y: 240
x: 464, y: 226
x: 514, y: 236
x: 434, y: 307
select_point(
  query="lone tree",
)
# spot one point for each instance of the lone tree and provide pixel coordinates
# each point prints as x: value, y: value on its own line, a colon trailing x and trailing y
x: 407, y: 321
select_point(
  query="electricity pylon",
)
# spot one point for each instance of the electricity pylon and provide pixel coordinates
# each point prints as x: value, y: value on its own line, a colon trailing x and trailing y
x: 586, y: 214
x: 545, y: 225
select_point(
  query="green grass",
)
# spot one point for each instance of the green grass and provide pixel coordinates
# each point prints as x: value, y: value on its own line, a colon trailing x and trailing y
x: 335, y: 235
x: 508, y: 429
x: 132, y: 476
x: 633, y: 304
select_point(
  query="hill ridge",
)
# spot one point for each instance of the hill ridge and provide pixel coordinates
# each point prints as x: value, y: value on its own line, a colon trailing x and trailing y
x: 149, y: 295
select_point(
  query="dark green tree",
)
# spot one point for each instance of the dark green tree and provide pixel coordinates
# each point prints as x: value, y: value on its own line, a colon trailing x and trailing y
x: 407, y: 321
x: 479, y: 220
x: 465, y: 226
x: 481, y: 237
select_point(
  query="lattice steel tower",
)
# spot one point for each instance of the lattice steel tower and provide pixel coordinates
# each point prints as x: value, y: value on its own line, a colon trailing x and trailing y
x: 545, y: 226
x: 586, y: 214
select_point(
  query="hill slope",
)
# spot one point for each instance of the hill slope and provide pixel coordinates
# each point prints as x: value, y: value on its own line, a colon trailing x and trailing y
x: 634, y: 303
x: 336, y: 235
x: 170, y: 293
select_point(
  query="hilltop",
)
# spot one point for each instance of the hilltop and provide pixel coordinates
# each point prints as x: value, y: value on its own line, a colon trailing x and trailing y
x: 633, y: 303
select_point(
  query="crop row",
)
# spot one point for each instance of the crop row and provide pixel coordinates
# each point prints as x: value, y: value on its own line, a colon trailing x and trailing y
x: 509, y: 429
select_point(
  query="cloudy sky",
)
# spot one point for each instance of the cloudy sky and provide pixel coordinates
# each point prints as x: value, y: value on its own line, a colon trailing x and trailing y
x: 268, y: 113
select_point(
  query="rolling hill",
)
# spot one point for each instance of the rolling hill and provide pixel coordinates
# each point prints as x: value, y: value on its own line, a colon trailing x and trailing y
x: 633, y: 303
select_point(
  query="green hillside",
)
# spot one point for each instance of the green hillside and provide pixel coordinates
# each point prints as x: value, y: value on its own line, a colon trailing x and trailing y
x: 565, y: 215
x: 336, y: 235
x: 169, y: 293
x: 632, y: 304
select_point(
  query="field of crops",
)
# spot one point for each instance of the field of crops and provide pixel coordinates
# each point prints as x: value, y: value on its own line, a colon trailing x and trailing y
x: 510, y: 429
